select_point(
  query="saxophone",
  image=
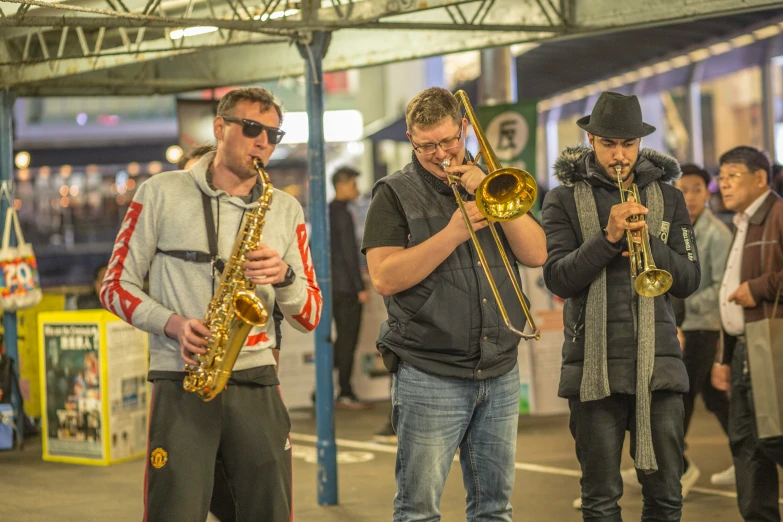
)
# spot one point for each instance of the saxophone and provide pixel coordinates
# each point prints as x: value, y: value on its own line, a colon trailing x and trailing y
x: 235, y: 308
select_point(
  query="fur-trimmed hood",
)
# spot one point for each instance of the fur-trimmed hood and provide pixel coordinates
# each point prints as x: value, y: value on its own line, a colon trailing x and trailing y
x: 577, y: 163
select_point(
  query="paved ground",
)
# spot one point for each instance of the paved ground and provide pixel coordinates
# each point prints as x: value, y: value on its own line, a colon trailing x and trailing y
x: 546, y: 483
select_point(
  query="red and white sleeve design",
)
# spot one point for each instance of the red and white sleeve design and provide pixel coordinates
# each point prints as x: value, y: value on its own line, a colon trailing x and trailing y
x: 114, y: 296
x: 310, y: 313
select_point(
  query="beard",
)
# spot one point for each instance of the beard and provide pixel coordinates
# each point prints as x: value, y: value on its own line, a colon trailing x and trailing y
x: 241, y: 168
x: 610, y: 173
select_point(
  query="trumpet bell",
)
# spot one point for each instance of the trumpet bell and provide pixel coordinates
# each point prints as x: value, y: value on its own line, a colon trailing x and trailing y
x: 653, y: 282
x: 506, y: 194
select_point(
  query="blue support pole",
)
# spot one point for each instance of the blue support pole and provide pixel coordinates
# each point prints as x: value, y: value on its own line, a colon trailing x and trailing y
x: 9, y: 318
x: 313, y: 53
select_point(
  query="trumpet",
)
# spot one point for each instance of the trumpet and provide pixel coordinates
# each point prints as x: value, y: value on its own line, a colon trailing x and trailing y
x: 506, y: 193
x: 652, y: 281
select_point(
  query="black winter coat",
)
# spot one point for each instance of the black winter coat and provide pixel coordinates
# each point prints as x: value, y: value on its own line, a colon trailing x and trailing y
x: 573, y: 264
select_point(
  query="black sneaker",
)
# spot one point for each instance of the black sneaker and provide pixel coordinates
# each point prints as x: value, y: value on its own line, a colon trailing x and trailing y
x: 386, y: 435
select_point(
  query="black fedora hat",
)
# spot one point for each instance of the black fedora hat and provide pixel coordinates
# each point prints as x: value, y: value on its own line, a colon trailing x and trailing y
x: 616, y: 116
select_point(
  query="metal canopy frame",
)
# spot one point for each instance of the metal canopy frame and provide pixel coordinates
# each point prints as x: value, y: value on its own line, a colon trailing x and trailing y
x: 82, y: 47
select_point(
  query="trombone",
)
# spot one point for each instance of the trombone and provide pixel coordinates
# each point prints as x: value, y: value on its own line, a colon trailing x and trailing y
x: 506, y: 193
x: 652, y: 281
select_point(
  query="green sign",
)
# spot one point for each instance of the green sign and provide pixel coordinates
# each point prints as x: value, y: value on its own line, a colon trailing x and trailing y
x: 510, y: 130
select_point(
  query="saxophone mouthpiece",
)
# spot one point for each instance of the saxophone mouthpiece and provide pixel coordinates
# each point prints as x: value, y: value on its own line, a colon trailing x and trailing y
x: 258, y: 163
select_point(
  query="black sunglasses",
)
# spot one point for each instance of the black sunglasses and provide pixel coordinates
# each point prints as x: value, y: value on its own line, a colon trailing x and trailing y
x: 251, y: 129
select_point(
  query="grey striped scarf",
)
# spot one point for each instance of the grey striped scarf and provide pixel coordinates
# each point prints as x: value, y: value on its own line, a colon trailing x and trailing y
x: 595, y: 376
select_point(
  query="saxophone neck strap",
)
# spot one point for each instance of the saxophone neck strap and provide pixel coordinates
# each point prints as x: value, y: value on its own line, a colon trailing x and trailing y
x: 202, y: 257
x: 209, y: 221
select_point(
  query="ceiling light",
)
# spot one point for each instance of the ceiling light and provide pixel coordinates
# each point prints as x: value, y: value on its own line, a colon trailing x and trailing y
x: 176, y: 34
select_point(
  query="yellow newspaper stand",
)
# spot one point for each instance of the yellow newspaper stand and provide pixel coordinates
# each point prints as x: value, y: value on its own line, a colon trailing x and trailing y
x: 94, y: 393
x: 28, y: 346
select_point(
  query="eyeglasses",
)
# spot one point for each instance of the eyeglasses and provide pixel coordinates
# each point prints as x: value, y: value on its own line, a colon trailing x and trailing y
x: 252, y: 129
x: 731, y: 176
x: 446, y: 145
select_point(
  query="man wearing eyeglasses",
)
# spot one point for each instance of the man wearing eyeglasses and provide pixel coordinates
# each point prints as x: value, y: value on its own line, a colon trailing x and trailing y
x: 180, y: 229
x: 455, y: 379
x: 754, y: 272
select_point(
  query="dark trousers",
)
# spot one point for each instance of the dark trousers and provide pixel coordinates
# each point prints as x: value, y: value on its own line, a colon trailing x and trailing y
x: 599, y: 430
x: 246, y: 426
x: 347, y: 311
x: 755, y: 460
x: 222, y: 503
x: 699, y: 355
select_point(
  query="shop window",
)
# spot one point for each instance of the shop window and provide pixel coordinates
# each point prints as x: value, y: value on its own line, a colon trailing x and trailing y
x: 731, y: 114
x: 676, y: 138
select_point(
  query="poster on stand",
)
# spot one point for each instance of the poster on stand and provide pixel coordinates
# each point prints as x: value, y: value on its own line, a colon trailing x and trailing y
x: 74, y: 388
x: 127, y: 390
x: 544, y: 356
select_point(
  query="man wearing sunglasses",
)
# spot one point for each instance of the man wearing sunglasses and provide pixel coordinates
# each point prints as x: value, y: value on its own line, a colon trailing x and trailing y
x: 180, y: 229
x: 455, y: 377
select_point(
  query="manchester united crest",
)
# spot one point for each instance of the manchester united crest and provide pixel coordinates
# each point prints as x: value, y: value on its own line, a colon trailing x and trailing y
x: 158, y: 458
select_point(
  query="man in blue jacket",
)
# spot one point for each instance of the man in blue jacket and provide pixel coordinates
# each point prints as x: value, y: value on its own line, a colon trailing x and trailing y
x: 621, y: 370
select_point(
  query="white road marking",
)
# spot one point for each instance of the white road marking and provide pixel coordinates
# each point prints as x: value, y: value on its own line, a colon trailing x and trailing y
x: 522, y: 466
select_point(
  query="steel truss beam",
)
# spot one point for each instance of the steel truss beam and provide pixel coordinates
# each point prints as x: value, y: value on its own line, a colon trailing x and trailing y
x: 276, y: 27
x: 46, y: 33
x: 101, y: 54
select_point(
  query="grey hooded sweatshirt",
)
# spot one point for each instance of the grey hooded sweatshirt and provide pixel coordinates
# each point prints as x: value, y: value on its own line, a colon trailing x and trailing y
x: 167, y: 214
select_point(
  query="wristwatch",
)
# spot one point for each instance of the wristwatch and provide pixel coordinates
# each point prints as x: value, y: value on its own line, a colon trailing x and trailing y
x: 290, y: 275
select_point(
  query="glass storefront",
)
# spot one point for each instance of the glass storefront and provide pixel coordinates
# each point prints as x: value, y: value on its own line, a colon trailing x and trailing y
x: 731, y: 114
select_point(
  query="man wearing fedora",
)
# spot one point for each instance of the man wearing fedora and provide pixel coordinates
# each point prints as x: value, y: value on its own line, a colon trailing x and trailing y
x: 621, y: 370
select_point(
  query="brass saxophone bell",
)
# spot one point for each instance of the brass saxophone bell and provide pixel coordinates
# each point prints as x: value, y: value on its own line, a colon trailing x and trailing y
x: 235, y: 307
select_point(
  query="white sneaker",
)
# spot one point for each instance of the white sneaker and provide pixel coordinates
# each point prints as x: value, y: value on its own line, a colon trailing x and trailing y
x: 727, y: 477
x: 689, y: 479
x: 630, y: 478
x: 577, y: 504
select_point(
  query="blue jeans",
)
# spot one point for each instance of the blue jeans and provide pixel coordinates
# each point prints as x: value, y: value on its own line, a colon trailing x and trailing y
x: 599, y: 430
x: 433, y: 416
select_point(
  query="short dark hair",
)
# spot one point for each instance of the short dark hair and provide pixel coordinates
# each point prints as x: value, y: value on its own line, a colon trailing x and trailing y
x: 752, y: 158
x: 250, y: 94
x: 344, y: 174
x: 430, y: 106
x: 689, y: 169
x: 196, y: 153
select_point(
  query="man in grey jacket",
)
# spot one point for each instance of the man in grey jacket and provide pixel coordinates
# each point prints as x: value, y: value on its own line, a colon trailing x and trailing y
x: 164, y: 235
x: 701, y: 325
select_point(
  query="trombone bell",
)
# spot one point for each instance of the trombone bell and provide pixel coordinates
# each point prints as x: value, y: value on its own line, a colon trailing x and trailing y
x: 506, y: 193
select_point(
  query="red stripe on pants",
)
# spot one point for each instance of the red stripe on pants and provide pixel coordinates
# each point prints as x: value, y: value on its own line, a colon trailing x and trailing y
x: 291, y: 459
